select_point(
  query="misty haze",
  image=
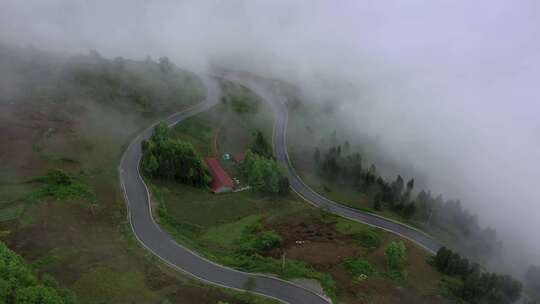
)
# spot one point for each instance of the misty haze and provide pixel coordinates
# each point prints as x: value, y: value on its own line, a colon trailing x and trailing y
x: 269, y: 151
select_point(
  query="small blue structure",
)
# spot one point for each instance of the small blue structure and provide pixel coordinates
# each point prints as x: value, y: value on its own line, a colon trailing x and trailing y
x: 226, y: 156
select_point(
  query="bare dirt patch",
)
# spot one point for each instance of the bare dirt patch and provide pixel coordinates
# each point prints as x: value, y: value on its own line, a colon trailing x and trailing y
x: 317, y: 243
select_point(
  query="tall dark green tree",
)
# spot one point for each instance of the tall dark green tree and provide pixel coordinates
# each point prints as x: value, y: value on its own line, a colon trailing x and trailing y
x: 261, y: 146
x: 477, y: 287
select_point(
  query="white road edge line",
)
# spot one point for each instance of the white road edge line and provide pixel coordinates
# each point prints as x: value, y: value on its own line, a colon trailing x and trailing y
x: 181, y: 246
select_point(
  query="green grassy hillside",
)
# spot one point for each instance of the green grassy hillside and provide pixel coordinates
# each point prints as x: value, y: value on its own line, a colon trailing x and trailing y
x: 282, y: 235
x: 78, y: 113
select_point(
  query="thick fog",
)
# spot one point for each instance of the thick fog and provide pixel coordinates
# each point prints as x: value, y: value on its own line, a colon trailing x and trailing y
x: 449, y: 88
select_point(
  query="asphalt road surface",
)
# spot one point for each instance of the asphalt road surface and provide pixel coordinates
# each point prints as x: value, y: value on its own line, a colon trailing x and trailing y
x: 165, y: 247
x: 279, y: 142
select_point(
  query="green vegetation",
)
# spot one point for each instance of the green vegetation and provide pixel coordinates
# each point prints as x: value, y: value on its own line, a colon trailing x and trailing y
x: 230, y: 228
x: 466, y: 281
x: 230, y: 233
x: 173, y: 159
x: 264, y: 174
x: 103, y: 284
x: 211, y: 225
x: 240, y: 99
x: 259, y: 243
x: 78, y: 113
x: 359, y: 268
x: 339, y: 163
x: 343, y: 171
x: 11, y: 213
x: 256, y: 232
x: 19, y: 285
x: 339, y: 171
x: 261, y: 146
x: 152, y: 87
x: 368, y: 238
x: 59, y: 185
x: 396, y: 256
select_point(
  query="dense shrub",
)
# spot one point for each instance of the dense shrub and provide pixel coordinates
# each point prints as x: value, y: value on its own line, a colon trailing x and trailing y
x: 266, y: 241
x: 59, y: 185
x: 58, y: 177
x: 264, y: 174
x: 471, y: 284
x: 258, y: 242
x: 368, y: 239
x: 431, y: 212
x: 240, y: 99
x: 19, y: 285
x: 359, y: 266
x: 167, y: 158
x: 396, y: 255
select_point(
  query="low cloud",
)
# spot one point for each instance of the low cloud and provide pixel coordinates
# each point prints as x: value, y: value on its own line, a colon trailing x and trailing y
x: 449, y: 88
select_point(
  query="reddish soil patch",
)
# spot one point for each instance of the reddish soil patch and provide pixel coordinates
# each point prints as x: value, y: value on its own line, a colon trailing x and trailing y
x: 24, y: 125
x: 322, y: 246
x: 317, y: 243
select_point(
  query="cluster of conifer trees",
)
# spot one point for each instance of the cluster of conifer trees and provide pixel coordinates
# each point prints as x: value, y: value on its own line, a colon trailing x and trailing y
x: 433, y: 213
x: 338, y: 164
x: 474, y: 285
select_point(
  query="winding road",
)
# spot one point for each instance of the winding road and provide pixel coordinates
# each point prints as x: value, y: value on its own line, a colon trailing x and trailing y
x: 150, y: 235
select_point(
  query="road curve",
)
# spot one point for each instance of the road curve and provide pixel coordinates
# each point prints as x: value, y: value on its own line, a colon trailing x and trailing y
x: 279, y: 143
x: 165, y: 247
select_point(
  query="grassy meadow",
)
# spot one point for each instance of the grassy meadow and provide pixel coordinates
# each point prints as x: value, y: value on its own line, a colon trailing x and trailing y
x: 312, y: 243
x: 78, y: 113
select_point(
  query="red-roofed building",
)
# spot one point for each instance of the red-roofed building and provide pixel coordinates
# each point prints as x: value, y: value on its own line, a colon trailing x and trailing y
x: 239, y: 157
x: 221, y: 182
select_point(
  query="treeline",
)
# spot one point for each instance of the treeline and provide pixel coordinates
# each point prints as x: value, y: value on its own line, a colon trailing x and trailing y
x: 239, y: 98
x: 148, y: 87
x: 20, y: 285
x: 172, y: 159
x: 469, y: 283
x: 261, y: 170
x: 154, y: 87
x: 433, y: 213
x: 338, y: 164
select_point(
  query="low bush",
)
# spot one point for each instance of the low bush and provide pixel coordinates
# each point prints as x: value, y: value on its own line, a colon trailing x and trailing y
x: 368, y: 239
x: 254, y: 242
x: 357, y: 267
x: 267, y: 241
x: 59, y: 185
x: 396, y: 256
